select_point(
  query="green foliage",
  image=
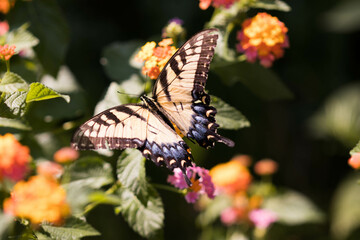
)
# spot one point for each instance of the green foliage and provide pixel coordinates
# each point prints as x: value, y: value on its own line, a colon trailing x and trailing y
x: 345, y: 209
x: 227, y: 116
x: 261, y: 81
x: 39, y: 92
x: 141, y: 205
x: 356, y: 149
x: 73, y: 229
x: 271, y: 5
x: 294, y: 208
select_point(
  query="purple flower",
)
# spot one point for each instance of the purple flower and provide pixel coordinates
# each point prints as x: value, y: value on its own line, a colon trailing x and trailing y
x: 201, y: 183
x: 262, y: 218
x: 176, y: 20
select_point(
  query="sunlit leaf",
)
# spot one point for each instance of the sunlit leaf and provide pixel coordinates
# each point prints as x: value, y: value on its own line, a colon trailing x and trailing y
x: 261, y: 81
x: 271, y: 5
x: 103, y: 198
x: 356, y: 149
x: 39, y: 92
x: 293, y: 208
x: 146, y: 217
x: 131, y: 172
x: 227, y: 116
x: 12, y: 104
x: 13, y: 123
x: 12, y: 82
x: 74, y: 229
x: 5, y: 222
x: 22, y: 38
x: 339, y: 117
x: 345, y: 208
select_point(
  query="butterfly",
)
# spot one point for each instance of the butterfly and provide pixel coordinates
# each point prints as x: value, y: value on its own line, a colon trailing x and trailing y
x: 179, y: 103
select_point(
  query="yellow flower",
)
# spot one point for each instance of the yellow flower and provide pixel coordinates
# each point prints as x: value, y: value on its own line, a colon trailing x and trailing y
x: 14, y: 158
x: 155, y: 57
x: 231, y: 177
x: 263, y: 36
x: 39, y: 199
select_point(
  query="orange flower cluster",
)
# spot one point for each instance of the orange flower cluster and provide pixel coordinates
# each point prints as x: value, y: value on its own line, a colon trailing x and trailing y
x: 66, y: 154
x: 205, y: 4
x: 39, y: 199
x: 14, y: 158
x: 354, y: 160
x: 234, y: 179
x: 155, y: 57
x: 5, y: 5
x: 7, y: 52
x: 263, y: 37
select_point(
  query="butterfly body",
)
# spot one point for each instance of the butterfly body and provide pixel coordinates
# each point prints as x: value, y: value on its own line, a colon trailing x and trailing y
x: 179, y: 102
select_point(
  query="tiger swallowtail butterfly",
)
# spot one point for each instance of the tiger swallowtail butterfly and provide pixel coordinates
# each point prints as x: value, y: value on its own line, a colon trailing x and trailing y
x: 178, y: 99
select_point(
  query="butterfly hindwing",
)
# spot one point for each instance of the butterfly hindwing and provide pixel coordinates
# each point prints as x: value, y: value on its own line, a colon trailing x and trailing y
x: 179, y: 90
x: 134, y: 126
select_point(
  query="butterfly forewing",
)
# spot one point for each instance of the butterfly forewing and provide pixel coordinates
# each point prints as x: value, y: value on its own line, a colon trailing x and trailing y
x: 134, y: 126
x: 179, y: 90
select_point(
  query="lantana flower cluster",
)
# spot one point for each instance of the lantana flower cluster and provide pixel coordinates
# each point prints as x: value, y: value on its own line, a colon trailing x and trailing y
x: 155, y: 57
x: 205, y: 4
x: 234, y: 180
x: 200, y: 179
x: 263, y: 37
x: 40, y: 198
x: 174, y: 29
x: 6, y: 52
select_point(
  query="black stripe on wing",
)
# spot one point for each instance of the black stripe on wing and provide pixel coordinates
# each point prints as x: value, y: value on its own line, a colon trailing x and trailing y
x: 202, y: 44
x: 92, y: 134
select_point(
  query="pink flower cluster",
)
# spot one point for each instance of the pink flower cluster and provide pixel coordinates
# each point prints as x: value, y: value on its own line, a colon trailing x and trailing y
x: 201, y: 183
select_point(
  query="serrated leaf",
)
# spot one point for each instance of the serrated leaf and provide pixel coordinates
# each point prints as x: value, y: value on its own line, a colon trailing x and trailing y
x: 356, y: 149
x: 271, y: 5
x: 22, y: 38
x: 49, y: 26
x: 293, y: 208
x: 345, y: 211
x: 145, y: 217
x: 116, y: 57
x: 86, y: 175
x: 261, y: 81
x: 13, y: 123
x: 12, y: 82
x: 227, y: 116
x: 13, y: 104
x: 73, y: 229
x: 39, y: 92
x: 41, y: 236
x: 131, y: 172
x: 92, y: 172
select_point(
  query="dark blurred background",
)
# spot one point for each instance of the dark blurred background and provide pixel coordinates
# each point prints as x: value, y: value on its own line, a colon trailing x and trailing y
x: 322, y: 58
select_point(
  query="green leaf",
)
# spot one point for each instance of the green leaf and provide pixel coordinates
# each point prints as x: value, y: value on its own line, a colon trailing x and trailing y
x: 261, y: 81
x: 356, y: 149
x: 116, y: 57
x: 22, y: 38
x: 345, y: 210
x: 100, y: 197
x: 39, y: 92
x: 293, y: 208
x: 271, y: 5
x: 86, y: 175
x: 227, y: 116
x: 145, y: 217
x: 13, y: 123
x: 13, y: 104
x: 12, y: 82
x: 5, y: 222
x: 42, y: 236
x: 48, y: 25
x: 339, y: 117
x: 213, y: 210
x: 91, y: 171
x: 131, y: 172
x: 74, y: 228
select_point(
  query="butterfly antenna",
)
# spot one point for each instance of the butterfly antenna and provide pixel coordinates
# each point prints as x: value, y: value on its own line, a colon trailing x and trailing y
x: 130, y: 94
